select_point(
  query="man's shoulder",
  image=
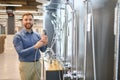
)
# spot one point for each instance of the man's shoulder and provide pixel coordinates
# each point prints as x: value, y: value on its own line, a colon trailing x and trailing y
x: 20, y: 33
x: 36, y: 33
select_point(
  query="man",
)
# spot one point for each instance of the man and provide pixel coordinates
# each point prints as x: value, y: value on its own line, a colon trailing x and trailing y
x: 27, y: 44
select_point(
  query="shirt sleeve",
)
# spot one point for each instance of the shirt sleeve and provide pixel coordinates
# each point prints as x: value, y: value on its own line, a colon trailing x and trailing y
x: 17, y: 41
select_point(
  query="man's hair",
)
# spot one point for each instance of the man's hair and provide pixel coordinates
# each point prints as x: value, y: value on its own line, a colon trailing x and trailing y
x: 27, y: 14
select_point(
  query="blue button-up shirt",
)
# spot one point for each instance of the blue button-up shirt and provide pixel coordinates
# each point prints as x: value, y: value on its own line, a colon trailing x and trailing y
x: 24, y: 44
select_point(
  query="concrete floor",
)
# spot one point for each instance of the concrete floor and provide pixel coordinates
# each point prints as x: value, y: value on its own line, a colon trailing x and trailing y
x: 9, y: 69
x: 9, y: 63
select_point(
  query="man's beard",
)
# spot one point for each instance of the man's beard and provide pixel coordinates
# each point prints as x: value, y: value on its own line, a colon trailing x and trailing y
x: 28, y: 26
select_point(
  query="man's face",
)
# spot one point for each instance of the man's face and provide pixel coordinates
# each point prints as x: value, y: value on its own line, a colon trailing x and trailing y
x: 28, y: 21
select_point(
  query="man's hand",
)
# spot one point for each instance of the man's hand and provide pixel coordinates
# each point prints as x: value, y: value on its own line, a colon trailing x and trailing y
x: 42, y: 42
x: 44, y: 39
x: 38, y: 44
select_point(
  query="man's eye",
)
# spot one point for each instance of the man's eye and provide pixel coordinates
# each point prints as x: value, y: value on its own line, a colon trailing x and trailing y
x: 25, y: 19
x: 30, y: 19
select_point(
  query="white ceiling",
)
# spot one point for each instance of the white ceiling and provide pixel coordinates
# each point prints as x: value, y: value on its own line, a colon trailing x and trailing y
x: 18, y: 13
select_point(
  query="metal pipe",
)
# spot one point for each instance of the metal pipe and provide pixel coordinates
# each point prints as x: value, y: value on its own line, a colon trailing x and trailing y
x: 116, y: 33
x: 76, y: 44
x: 65, y: 39
x: 93, y: 43
x: 85, y: 33
x: 73, y: 35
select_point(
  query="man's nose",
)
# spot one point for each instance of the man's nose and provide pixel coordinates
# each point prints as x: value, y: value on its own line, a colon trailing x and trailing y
x: 28, y: 21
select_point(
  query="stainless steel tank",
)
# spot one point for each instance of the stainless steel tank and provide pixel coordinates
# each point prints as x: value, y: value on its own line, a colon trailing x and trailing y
x: 87, y: 41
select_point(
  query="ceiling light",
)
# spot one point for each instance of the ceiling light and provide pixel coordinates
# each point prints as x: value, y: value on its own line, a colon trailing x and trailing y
x: 11, y: 5
x: 42, y: 1
x: 3, y: 11
x: 22, y: 11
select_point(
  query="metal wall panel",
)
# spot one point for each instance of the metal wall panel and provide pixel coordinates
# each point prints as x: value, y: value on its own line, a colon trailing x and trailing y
x: 79, y: 45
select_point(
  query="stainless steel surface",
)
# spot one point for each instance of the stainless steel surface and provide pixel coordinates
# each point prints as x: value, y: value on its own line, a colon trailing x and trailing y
x: 90, y: 49
x: 116, y: 46
x: 117, y: 42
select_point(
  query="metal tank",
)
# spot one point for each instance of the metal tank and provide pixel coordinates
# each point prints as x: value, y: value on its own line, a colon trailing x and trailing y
x: 104, y: 38
x: 83, y: 31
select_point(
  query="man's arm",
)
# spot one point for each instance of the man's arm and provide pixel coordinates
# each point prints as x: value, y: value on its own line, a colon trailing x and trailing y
x: 18, y: 44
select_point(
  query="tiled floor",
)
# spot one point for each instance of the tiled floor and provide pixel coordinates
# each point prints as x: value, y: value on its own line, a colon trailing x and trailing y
x: 9, y: 61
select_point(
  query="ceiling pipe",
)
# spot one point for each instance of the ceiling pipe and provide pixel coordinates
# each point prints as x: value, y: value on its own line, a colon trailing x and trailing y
x: 53, y: 4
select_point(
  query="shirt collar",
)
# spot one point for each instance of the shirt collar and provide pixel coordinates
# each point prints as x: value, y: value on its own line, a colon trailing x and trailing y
x: 25, y: 31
